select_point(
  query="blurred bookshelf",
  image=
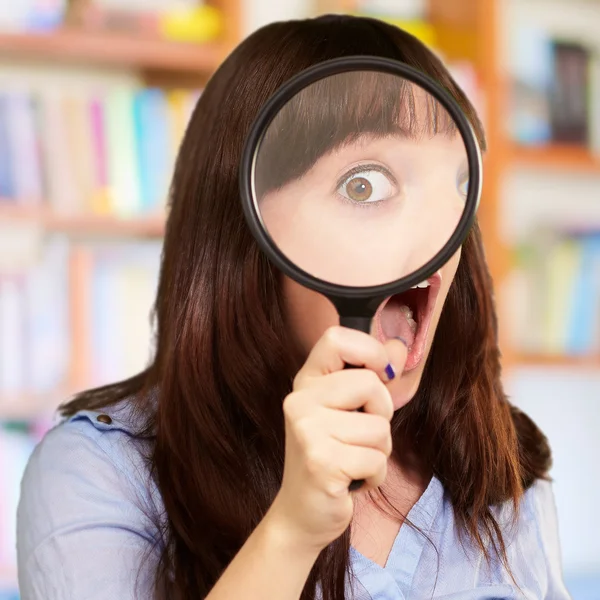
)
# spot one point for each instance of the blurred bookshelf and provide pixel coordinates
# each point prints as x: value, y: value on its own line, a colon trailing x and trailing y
x: 99, y: 249
x: 520, y: 103
x: 532, y: 69
x: 97, y: 114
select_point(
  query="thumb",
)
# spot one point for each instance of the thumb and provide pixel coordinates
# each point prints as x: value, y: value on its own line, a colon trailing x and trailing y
x: 397, y: 352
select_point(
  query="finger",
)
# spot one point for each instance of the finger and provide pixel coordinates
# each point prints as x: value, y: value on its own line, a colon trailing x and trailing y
x: 359, y: 429
x: 352, y: 389
x: 397, y: 353
x: 339, y: 346
x: 364, y: 463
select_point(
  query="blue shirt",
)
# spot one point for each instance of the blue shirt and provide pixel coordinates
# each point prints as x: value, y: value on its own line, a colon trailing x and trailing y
x: 86, y: 530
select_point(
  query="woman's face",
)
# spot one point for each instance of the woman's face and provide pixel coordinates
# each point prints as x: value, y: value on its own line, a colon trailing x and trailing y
x: 309, y: 314
x: 369, y: 212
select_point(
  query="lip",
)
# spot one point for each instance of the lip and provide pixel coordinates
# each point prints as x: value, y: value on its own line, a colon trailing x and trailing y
x: 417, y: 350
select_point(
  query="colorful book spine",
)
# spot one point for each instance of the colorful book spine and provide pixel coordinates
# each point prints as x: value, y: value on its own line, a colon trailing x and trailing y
x: 560, y: 286
x: 102, y: 150
x: 6, y: 170
x: 25, y: 164
x: 154, y: 143
x: 123, y: 173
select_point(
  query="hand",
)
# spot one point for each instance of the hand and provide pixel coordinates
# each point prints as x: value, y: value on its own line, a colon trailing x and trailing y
x: 328, y: 443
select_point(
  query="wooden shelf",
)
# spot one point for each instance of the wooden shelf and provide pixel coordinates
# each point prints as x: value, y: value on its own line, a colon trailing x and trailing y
x: 73, y: 46
x: 557, y: 157
x: 150, y: 226
x: 557, y: 360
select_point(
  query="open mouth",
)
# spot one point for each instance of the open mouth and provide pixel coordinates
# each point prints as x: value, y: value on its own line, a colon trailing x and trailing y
x: 408, y: 315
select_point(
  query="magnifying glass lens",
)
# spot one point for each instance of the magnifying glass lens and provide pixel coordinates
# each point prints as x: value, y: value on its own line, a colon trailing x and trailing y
x: 361, y: 178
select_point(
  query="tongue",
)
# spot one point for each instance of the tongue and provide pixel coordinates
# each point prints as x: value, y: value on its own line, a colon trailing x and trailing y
x: 397, y: 321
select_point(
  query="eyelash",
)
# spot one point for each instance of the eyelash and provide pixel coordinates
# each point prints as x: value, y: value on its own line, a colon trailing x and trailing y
x: 361, y: 169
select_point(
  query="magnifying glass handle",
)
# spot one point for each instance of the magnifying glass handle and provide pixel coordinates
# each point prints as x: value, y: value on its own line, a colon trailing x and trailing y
x: 357, y: 483
x: 361, y: 324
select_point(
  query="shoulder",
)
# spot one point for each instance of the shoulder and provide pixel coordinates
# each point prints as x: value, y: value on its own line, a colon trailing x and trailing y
x: 91, y: 463
x: 95, y: 439
x: 88, y: 504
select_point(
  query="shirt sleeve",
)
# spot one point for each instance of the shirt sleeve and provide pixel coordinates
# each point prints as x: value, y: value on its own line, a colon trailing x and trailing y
x: 547, y: 522
x: 83, y: 531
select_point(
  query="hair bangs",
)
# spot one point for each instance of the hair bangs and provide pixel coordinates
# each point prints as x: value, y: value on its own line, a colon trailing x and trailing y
x: 338, y: 110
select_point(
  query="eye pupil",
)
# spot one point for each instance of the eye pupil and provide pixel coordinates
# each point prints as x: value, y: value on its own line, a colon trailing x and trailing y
x: 359, y: 189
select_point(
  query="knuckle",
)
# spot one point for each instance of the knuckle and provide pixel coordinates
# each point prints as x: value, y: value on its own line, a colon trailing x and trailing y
x: 372, y: 384
x: 305, y: 431
x: 332, y: 336
x: 333, y: 489
x: 299, y: 381
x: 291, y: 406
x: 379, y: 465
x: 384, y: 432
x: 314, y: 460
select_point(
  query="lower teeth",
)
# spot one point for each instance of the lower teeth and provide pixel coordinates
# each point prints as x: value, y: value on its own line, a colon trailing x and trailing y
x: 409, y: 318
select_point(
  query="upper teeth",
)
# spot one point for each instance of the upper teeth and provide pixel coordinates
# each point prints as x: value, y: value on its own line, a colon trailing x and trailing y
x: 423, y: 284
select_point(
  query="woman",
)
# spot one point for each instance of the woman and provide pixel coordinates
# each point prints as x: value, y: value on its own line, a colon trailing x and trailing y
x: 191, y: 481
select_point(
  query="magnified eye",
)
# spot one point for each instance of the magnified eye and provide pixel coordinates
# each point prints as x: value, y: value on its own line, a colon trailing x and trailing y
x: 367, y: 185
x: 462, y: 183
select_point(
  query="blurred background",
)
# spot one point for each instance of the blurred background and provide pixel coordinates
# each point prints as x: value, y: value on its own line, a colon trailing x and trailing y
x: 94, y: 100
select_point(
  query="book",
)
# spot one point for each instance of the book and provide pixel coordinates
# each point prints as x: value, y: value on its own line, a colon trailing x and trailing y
x: 61, y: 187
x: 584, y: 317
x: 157, y: 131
x: 570, y: 93
x: 531, y: 74
x: 123, y: 174
x: 6, y: 168
x: 563, y: 264
x: 24, y: 162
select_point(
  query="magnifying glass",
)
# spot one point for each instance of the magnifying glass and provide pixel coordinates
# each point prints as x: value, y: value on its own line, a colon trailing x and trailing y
x: 360, y: 179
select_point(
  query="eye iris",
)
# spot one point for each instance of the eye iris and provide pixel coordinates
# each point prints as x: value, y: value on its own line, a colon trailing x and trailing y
x: 359, y: 189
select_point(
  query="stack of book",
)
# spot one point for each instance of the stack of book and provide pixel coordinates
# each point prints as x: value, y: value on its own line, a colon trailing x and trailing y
x: 104, y: 150
x: 184, y: 20
x: 555, y: 294
x: 36, y: 326
x: 124, y: 279
x: 555, y: 90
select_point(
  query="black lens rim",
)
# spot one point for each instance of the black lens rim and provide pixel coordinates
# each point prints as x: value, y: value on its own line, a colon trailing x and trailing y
x: 268, y: 113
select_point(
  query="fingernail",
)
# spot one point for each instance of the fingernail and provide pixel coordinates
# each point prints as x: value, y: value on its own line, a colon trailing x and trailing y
x: 403, y: 341
x: 390, y: 372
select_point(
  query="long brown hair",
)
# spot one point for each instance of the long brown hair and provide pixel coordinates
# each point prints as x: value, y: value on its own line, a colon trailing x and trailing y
x: 223, y: 363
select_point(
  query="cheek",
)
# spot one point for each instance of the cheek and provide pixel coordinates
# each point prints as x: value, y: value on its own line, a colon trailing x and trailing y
x: 308, y: 314
x: 448, y: 272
